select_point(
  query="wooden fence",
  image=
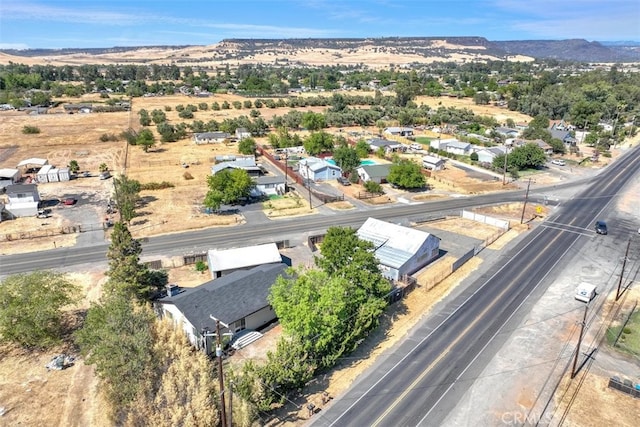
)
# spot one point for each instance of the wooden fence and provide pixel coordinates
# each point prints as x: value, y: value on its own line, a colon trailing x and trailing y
x: 49, y: 232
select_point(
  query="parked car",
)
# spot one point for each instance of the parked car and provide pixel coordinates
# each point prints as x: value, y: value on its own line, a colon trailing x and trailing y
x: 558, y: 162
x: 69, y: 201
x: 601, y: 227
x: 344, y: 181
x: 105, y: 175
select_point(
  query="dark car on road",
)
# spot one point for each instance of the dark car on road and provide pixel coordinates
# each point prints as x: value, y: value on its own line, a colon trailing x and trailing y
x: 601, y: 227
x: 344, y: 181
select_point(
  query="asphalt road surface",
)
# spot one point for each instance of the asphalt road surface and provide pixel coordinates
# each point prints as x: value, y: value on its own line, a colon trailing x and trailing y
x: 424, y: 378
x: 202, y: 240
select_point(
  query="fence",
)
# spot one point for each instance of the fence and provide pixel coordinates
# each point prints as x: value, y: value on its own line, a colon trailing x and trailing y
x: 49, y: 232
x: 367, y: 195
x: 194, y: 258
x: 485, y: 219
x: 625, y: 386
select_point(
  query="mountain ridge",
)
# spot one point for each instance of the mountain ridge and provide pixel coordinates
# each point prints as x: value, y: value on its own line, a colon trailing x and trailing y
x: 373, y: 51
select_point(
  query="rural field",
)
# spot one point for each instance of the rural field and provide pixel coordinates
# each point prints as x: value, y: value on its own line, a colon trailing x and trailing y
x: 71, y: 397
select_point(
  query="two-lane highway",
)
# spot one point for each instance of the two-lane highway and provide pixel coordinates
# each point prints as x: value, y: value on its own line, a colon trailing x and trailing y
x: 424, y: 378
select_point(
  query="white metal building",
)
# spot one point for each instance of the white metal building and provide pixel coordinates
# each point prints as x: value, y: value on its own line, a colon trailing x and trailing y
x: 400, y: 250
x: 224, y: 261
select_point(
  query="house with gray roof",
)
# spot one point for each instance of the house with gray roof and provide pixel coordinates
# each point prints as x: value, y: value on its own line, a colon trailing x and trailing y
x: 247, y: 163
x: 433, y: 163
x: 487, y: 154
x: 458, y: 147
x: 316, y: 169
x: 210, y: 137
x: 375, y: 173
x: 24, y: 200
x: 376, y: 143
x: 239, y: 300
x: 268, y: 186
x: 399, y: 131
x: 401, y: 251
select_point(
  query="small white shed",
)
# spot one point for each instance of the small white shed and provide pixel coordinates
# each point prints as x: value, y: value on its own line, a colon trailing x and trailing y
x: 43, y: 173
x: 63, y: 174
x: 52, y: 176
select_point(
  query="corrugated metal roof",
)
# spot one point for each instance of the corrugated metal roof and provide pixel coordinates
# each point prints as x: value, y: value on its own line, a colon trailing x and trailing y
x: 394, y: 244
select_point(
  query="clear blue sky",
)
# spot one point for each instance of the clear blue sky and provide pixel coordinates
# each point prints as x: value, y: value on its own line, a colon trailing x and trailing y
x: 102, y: 23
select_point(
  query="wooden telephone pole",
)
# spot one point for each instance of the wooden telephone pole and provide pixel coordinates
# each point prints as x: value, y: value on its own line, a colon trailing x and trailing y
x: 582, y: 325
x: 624, y: 263
x: 223, y: 410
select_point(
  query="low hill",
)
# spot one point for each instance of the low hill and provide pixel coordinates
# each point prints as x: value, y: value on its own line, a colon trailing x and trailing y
x: 372, y: 52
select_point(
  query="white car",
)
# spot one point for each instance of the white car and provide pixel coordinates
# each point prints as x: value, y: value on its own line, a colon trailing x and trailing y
x: 558, y: 162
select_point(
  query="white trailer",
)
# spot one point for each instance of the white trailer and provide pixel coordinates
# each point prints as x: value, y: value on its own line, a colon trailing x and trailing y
x: 585, y: 292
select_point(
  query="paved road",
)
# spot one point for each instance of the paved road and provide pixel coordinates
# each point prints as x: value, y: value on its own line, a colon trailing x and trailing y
x: 424, y: 378
x: 250, y: 233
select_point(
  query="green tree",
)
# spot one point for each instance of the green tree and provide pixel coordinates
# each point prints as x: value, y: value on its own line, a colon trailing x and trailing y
x: 227, y: 186
x: 117, y: 337
x: 313, y: 121
x: 74, y: 167
x: 146, y: 139
x: 145, y: 119
x: 318, y: 142
x: 362, y: 148
x: 346, y: 158
x: 247, y: 146
x: 557, y: 145
x: 103, y: 167
x: 126, y: 194
x: 373, y: 187
x: 523, y: 157
x: 406, y: 174
x: 127, y: 276
x: 32, y: 304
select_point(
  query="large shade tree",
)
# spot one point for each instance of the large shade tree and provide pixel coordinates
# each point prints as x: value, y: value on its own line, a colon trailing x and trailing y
x: 227, y: 186
x: 31, y: 308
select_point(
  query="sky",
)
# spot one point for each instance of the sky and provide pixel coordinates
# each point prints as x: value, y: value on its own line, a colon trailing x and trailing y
x: 29, y: 24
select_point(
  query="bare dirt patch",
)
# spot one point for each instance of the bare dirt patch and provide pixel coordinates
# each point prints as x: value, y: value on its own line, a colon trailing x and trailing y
x: 290, y: 205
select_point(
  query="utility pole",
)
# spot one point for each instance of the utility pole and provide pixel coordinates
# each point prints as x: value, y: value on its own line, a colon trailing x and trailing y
x: 624, y: 262
x: 526, y: 197
x: 230, y: 403
x: 504, y: 170
x: 582, y: 325
x: 286, y: 166
x: 309, y: 186
x: 223, y: 410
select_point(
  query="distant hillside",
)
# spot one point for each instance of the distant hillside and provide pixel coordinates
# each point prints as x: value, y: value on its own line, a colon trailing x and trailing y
x: 373, y: 52
x: 571, y: 50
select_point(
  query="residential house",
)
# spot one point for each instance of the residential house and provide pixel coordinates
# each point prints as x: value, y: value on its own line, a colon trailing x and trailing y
x: 389, y: 146
x: 242, y: 133
x: 459, y: 148
x: 433, y: 163
x: 225, y: 261
x: 398, y: 131
x: 548, y: 150
x: 401, y: 251
x: 562, y: 131
x: 268, y: 186
x: 487, y: 154
x: 9, y: 177
x: 375, y: 173
x: 247, y: 163
x: 23, y: 200
x: 441, y: 144
x: 78, y: 108
x: 210, y: 137
x: 239, y: 301
x: 507, y: 132
x: 316, y: 169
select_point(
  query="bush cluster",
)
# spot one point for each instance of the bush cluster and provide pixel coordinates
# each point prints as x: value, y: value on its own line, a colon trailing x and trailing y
x: 156, y: 185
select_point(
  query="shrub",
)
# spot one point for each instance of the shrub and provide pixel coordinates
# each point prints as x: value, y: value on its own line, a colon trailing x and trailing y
x: 187, y: 176
x: 156, y: 185
x: 106, y: 137
x: 373, y: 187
x: 30, y: 130
x: 201, y: 266
x: 626, y: 330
